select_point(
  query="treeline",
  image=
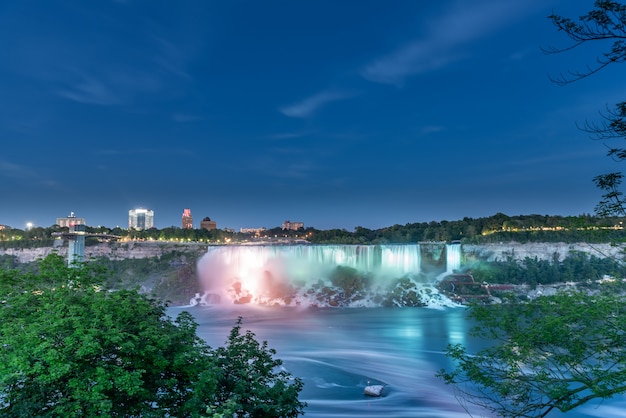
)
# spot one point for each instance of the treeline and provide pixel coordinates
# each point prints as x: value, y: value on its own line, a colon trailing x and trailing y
x: 577, y: 267
x: 496, y: 228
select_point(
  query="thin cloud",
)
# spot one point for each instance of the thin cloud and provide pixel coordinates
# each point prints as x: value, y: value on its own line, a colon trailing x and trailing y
x: 298, y: 170
x: 172, y: 58
x: 415, y: 58
x: 521, y: 54
x: 287, y: 135
x: 28, y: 175
x: 556, y: 158
x: 145, y: 151
x: 15, y: 170
x: 109, y: 87
x: 308, y: 106
x: 91, y: 91
x: 273, y: 166
x: 52, y: 184
x: 431, y: 129
x: 442, y: 44
x: 183, y: 118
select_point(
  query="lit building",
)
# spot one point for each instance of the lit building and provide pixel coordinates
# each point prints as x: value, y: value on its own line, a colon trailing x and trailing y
x: 140, y: 219
x: 256, y: 231
x: 70, y: 221
x: 187, y: 219
x: 208, y: 224
x: 294, y: 226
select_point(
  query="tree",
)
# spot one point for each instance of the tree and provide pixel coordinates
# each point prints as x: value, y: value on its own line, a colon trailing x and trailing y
x: 604, y: 25
x: 555, y: 352
x: 251, y: 383
x: 70, y: 348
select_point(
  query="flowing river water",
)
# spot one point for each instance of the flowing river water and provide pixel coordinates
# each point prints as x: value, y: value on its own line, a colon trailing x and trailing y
x: 337, y: 352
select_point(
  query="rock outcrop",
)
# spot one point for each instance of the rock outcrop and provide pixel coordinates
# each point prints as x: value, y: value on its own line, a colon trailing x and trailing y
x: 112, y: 250
x: 540, y: 250
x: 373, y: 390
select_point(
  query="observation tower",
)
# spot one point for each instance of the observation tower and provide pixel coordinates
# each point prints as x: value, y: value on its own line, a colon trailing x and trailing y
x: 76, y: 241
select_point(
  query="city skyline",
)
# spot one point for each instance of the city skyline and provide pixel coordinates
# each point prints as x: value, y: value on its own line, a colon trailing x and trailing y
x: 338, y: 115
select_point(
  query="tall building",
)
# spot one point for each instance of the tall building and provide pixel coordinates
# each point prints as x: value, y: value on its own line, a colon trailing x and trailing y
x: 70, y: 221
x: 140, y: 219
x: 187, y: 219
x: 208, y: 224
x: 294, y: 226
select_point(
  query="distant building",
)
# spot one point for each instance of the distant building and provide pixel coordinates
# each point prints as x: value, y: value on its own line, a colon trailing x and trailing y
x: 294, y: 226
x: 231, y: 230
x: 208, y: 224
x: 256, y: 231
x: 187, y: 219
x: 3, y: 227
x: 70, y: 221
x: 140, y: 219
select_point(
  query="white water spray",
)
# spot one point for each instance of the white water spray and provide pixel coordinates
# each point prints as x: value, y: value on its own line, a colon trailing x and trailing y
x: 297, y: 274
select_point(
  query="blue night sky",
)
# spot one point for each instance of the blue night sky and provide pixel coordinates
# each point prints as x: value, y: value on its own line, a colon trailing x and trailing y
x: 334, y: 113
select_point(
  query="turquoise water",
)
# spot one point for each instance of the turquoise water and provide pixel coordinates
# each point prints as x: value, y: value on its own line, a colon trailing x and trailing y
x: 337, y: 352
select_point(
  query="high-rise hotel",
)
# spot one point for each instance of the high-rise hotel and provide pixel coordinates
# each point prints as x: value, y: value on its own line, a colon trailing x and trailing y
x: 187, y: 219
x: 140, y: 219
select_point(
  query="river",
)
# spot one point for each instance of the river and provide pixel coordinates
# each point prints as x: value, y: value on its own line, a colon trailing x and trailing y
x: 337, y: 352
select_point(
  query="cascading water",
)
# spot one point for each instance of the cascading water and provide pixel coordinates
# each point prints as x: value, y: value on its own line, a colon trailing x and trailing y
x: 321, y: 275
x: 453, y: 257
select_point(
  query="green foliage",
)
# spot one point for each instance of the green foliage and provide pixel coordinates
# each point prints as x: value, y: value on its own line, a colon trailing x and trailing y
x: 555, y: 352
x: 606, y: 25
x: 251, y: 383
x: 496, y: 228
x: 612, y: 200
x: 493, y: 229
x: 72, y: 349
x: 576, y: 267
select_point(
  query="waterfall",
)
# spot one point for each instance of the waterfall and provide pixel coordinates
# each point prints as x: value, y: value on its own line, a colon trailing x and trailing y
x: 401, y: 259
x: 301, y: 261
x: 453, y: 257
x: 252, y: 273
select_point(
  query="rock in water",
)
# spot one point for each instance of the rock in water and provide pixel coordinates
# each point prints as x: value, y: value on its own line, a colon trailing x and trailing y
x: 373, y: 390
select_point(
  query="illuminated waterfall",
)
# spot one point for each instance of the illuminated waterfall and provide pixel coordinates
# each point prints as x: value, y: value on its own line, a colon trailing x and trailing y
x: 453, y: 257
x: 251, y: 273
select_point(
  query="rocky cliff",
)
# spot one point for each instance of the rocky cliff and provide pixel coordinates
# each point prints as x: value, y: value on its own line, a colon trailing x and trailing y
x: 486, y: 252
x: 113, y: 251
x: 539, y: 250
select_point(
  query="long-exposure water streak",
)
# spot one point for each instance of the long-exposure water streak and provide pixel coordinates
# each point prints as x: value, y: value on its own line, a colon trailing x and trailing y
x: 337, y: 352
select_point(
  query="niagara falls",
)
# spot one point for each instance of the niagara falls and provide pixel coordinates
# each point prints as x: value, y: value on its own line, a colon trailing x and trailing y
x: 299, y: 275
x: 341, y: 346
